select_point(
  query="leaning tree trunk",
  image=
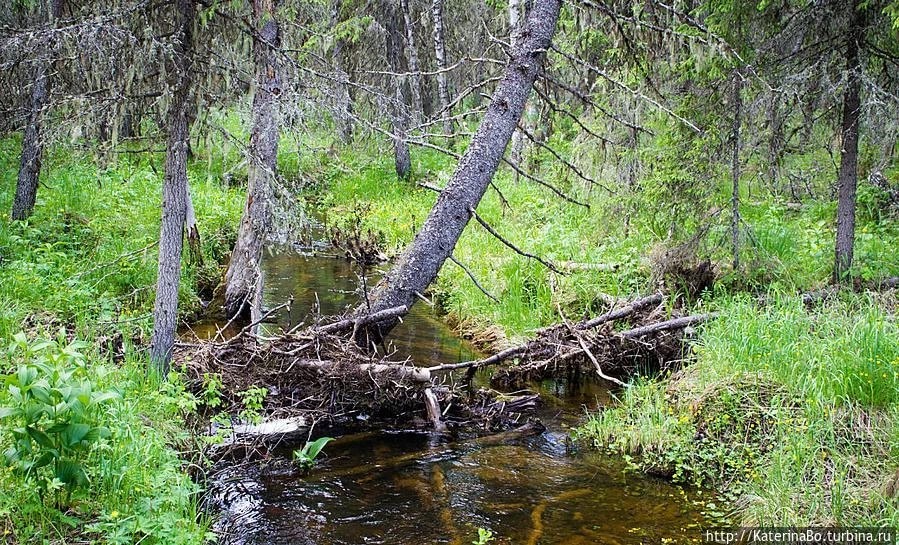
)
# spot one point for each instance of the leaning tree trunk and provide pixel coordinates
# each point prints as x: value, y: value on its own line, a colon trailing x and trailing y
x: 434, y: 243
x: 399, y: 115
x: 848, y: 177
x: 174, y: 198
x: 414, y: 65
x: 440, y: 57
x: 243, y: 270
x: 32, y: 146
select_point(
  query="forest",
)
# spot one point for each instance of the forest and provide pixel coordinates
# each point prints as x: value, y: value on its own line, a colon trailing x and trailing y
x: 448, y: 271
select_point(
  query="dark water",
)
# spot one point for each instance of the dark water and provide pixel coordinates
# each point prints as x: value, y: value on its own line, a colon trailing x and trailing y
x: 329, y: 286
x: 418, y: 488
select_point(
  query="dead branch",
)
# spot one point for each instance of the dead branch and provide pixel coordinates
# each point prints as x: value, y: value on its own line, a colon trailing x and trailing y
x: 511, y: 246
x: 677, y: 323
x: 473, y: 279
x: 351, y: 323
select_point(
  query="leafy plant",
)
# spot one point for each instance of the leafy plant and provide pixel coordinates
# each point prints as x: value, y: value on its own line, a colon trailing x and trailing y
x: 253, y: 398
x: 306, y: 456
x: 212, y: 390
x: 484, y: 536
x: 53, y: 419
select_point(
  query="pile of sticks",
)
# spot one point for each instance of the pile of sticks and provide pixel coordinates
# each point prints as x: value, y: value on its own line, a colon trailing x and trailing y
x: 589, y: 343
x: 321, y: 371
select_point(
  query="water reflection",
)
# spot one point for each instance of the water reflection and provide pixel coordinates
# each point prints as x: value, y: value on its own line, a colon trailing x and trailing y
x: 416, y: 488
x: 327, y: 286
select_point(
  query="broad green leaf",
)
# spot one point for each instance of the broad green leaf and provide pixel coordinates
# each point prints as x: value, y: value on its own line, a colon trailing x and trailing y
x: 45, y: 458
x: 59, y: 427
x: 75, y: 433
x: 103, y: 397
x: 316, y: 446
x: 71, y: 473
x: 40, y: 437
x: 41, y: 391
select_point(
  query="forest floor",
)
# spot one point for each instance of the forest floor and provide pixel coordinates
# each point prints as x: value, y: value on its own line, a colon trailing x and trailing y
x: 791, y: 411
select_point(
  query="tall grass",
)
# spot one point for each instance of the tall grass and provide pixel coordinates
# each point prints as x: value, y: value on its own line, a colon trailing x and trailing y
x: 846, y: 352
x: 792, y: 413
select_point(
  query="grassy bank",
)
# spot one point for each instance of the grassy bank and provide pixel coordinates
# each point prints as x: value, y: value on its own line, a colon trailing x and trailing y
x: 76, y: 291
x: 791, y: 413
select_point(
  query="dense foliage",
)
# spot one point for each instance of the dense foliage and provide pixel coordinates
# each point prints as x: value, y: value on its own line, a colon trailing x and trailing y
x: 756, y: 139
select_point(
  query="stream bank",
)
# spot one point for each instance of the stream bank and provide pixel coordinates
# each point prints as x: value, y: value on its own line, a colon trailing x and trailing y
x: 412, y: 486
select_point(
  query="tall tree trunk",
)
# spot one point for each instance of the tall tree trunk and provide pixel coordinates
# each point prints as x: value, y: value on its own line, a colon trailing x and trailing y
x: 174, y: 197
x: 434, y: 243
x: 399, y: 114
x: 344, y: 99
x: 775, y: 140
x: 414, y: 65
x: 514, y: 24
x: 440, y: 57
x: 32, y: 146
x: 848, y: 177
x: 529, y: 118
x: 243, y: 271
x: 737, y: 100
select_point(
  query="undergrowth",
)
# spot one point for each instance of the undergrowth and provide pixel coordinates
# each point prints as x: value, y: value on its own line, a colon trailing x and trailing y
x: 76, y: 293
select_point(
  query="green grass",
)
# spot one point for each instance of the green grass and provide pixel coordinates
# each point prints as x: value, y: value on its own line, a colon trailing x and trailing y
x: 792, y: 414
x: 83, y: 267
x: 536, y: 221
x: 765, y: 408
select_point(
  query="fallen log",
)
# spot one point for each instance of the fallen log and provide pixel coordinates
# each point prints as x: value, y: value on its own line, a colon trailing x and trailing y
x: 351, y: 323
x: 623, y: 312
x: 510, y: 353
x: 578, y: 266
x: 677, y: 323
x: 415, y: 374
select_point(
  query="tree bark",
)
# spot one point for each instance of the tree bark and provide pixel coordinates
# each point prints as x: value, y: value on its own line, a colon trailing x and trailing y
x: 192, y: 230
x: 344, y: 99
x: 737, y: 100
x: 174, y: 197
x: 243, y: 270
x: 514, y: 24
x: 414, y: 65
x: 775, y: 140
x: 32, y: 146
x: 440, y: 57
x: 434, y: 243
x: 399, y: 116
x: 848, y: 177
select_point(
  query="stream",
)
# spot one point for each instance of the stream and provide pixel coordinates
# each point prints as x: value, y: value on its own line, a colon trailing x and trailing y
x: 419, y: 488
